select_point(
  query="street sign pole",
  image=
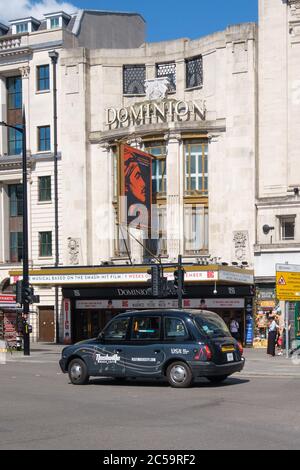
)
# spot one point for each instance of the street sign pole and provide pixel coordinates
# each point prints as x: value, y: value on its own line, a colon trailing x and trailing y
x: 287, y: 339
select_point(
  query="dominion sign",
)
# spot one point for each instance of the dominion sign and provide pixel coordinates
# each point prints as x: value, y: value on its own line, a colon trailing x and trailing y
x: 155, y: 112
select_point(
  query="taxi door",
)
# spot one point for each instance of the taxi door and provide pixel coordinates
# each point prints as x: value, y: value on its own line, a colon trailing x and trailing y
x: 109, y: 352
x: 144, y: 351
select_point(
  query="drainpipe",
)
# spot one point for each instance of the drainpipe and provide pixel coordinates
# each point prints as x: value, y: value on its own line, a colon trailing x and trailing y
x: 54, y: 59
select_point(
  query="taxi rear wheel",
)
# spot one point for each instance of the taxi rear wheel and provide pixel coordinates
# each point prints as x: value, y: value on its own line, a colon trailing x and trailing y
x: 179, y: 375
x: 78, y: 372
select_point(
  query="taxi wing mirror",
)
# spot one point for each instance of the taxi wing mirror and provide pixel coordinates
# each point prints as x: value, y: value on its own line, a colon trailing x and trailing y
x: 101, y: 336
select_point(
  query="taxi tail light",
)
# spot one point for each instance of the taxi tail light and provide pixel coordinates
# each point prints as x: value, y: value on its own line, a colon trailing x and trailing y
x: 204, y: 354
x: 240, y: 347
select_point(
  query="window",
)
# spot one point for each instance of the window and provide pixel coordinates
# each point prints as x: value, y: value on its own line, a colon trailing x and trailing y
x: 194, y: 72
x: 44, y: 188
x: 146, y: 328
x: 196, y: 168
x: 16, y: 246
x: 15, y: 193
x: 195, y: 229
x: 45, y: 244
x: 167, y: 70
x: 43, y: 80
x: 287, y: 228
x: 134, y: 77
x: 175, y: 329
x: 22, y: 28
x: 44, y: 139
x: 14, y: 93
x: 157, y: 244
x: 15, y: 141
x: 117, y: 330
x: 54, y: 22
x: 159, y: 169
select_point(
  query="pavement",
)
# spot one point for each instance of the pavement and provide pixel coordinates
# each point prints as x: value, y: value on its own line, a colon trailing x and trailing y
x: 258, y: 363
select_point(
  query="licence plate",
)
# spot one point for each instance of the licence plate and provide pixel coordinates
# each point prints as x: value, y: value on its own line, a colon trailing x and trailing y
x: 230, y: 357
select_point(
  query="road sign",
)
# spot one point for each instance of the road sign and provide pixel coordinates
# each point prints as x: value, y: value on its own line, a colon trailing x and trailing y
x: 288, y: 282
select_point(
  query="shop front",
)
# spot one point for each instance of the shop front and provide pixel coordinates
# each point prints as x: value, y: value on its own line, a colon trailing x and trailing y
x: 91, y: 308
x: 91, y: 296
x: 9, y: 320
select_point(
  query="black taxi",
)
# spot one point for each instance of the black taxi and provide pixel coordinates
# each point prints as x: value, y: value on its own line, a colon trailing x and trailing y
x: 179, y: 345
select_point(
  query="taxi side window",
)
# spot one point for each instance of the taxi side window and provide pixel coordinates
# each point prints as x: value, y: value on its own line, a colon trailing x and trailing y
x: 175, y: 329
x: 146, y: 328
x: 117, y: 329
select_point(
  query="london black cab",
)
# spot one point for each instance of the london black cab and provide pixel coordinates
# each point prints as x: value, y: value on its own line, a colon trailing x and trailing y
x: 177, y: 344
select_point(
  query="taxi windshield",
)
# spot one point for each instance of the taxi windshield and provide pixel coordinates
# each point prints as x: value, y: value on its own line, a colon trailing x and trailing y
x: 211, y: 325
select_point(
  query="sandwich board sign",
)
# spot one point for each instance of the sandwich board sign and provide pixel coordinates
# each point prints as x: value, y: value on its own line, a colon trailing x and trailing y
x: 288, y: 282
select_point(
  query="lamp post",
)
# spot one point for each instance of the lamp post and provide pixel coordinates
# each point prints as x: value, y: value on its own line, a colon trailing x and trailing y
x: 26, y: 287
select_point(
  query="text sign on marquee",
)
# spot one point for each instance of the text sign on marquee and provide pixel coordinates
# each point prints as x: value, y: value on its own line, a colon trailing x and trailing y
x: 288, y: 282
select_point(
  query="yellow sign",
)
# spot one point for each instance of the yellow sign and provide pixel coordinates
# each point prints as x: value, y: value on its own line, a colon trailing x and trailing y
x: 288, y: 286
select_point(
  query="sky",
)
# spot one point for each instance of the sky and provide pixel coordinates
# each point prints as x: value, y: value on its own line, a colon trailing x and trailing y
x: 166, y: 19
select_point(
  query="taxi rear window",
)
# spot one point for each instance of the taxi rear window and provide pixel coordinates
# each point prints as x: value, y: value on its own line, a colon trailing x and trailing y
x: 146, y: 328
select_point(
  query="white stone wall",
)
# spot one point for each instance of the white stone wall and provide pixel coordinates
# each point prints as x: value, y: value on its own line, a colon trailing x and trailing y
x: 278, y: 169
x: 93, y: 81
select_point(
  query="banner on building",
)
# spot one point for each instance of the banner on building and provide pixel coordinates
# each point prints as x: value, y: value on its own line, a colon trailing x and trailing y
x: 67, y: 321
x: 135, y: 187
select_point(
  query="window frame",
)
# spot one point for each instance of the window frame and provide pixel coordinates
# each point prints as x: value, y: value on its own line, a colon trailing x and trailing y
x: 55, y: 19
x: 204, y: 174
x: 40, y: 140
x: 40, y: 178
x: 40, y: 79
x: 204, y: 249
x: 178, y: 339
x: 187, y: 62
x: 172, y: 86
x: 133, y: 66
x: 15, y: 95
x: 116, y: 340
x: 287, y: 219
x: 17, y: 201
x: 41, y: 244
x: 19, y: 246
x: 22, y: 28
x: 146, y: 340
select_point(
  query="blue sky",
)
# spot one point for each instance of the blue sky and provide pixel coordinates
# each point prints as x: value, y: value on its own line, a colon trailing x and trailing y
x: 170, y: 19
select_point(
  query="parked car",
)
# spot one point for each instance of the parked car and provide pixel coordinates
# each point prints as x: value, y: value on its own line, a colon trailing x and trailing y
x: 179, y: 345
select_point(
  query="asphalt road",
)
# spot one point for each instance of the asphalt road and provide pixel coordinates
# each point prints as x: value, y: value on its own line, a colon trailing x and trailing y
x: 39, y: 409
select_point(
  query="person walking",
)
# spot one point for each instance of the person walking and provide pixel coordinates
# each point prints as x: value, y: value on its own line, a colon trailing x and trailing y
x: 272, y: 337
x: 235, y: 329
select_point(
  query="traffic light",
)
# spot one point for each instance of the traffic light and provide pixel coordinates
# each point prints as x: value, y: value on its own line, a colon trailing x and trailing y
x: 179, y: 278
x: 27, y: 295
x: 19, y: 292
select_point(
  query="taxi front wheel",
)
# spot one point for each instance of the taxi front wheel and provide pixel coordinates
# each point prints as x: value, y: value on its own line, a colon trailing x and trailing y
x: 179, y: 375
x: 78, y: 372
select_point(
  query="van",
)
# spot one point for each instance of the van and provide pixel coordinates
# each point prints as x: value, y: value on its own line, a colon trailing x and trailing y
x: 179, y: 345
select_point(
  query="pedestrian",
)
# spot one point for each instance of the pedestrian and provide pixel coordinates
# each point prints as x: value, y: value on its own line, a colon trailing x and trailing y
x: 273, y: 329
x: 235, y: 329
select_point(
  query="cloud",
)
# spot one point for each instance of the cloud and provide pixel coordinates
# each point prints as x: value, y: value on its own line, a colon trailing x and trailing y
x: 13, y: 9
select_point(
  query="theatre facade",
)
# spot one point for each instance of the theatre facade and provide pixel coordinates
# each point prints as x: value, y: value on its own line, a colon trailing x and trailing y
x: 218, y: 117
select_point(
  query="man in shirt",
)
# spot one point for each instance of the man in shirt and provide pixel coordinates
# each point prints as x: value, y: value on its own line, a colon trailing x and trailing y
x: 235, y: 329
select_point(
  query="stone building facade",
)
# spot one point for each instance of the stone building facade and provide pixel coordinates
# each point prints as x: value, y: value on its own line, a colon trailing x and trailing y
x: 219, y: 115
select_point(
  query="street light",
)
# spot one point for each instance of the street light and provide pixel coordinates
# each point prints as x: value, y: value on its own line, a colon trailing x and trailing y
x: 22, y: 130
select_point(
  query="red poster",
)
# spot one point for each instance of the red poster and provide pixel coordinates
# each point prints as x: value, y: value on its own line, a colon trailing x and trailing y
x: 136, y: 187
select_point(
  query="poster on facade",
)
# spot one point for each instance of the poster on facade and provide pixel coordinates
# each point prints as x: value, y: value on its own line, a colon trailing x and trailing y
x: 136, y: 187
x: 67, y: 321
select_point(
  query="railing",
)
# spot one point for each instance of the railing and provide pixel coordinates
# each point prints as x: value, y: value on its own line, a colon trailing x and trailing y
x: 10, y: 43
